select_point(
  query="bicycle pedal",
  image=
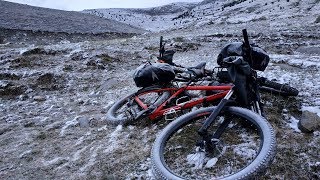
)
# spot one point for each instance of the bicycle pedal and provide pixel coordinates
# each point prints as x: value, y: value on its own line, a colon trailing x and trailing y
x: 182, y: 100
x: 170, y: 115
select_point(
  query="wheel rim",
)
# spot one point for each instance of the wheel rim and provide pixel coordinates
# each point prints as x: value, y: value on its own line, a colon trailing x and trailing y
x: 129, y: 109
x: 241, y: 147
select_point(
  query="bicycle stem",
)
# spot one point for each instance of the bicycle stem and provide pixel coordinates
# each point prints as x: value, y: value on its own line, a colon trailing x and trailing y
x: 203, y: 130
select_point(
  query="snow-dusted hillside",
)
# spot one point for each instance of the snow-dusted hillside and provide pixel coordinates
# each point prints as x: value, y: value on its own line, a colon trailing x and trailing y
x: 277, y: 12
x: 179, y: 15
x: 153, y: 19
x: 24, y: 17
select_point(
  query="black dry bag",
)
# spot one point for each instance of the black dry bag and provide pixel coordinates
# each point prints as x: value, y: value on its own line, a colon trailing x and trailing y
x: 149, y: 74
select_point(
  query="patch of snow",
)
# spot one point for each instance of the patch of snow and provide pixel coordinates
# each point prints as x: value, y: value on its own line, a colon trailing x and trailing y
x: 76, y: 156
x: 110, y: 103
x: 27, y: 49
x: 244, y: 150
x: 68, y: 124
x: 25, y: 153
x: 92, y: 160
x: 79, y: 141
x: 57, y: 160
x: 294, y: 124
x: 131, y: 127
x: 211, y: 162
x: 150, y: 174
x: 313, y: 109
x: 113, y: 139
x: 197, y: 159
x: 103, y: 128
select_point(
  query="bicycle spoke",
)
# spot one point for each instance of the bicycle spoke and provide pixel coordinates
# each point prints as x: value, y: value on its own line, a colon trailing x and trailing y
x: 149, y: 98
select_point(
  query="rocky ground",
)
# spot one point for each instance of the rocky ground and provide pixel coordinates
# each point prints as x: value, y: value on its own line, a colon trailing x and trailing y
x: 54, y: 99
x: 54, y: 94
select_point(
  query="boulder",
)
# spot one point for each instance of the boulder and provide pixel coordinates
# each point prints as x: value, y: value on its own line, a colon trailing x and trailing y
x: 309, y: 122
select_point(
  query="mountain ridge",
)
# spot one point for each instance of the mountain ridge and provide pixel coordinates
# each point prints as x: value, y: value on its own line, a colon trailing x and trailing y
x: 25, y: 17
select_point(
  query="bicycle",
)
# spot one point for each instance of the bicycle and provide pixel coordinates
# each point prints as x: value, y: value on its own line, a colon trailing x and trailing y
x: 166, y: 99
x: 222, y: 142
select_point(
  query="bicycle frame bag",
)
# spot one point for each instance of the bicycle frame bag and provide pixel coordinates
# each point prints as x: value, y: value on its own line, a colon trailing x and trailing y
x: 259, y: 57
x: 149, y: 74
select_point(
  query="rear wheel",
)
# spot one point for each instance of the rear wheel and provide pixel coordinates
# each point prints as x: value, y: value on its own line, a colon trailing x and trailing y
x: 245, y: 149
x: 265, y: 85
x: 277, y: 88
x: 127, y: 110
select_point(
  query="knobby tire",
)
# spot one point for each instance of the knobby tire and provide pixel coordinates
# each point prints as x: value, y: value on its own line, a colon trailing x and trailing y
x: 277, y: 88
x: 130, y: 108
x: 173, y: 165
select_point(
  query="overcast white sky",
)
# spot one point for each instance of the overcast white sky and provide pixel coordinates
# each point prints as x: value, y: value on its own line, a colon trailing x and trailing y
x: 77, y: 5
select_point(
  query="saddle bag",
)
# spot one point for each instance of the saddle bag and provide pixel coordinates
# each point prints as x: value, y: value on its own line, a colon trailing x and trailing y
x: 150, y: 74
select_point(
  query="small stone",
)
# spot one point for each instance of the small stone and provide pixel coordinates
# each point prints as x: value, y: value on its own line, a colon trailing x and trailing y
x: 41, y: 135
x: 23, y: 97
x: 96, y: 122
x: 39, y: 98
x: 84, y: 122
x: 29, y: 124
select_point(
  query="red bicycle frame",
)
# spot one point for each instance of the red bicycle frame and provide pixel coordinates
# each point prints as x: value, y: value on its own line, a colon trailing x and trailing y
x: 162, y: 110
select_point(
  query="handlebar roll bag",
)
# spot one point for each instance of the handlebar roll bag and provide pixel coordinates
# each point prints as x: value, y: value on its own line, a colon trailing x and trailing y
x: 260, y: 58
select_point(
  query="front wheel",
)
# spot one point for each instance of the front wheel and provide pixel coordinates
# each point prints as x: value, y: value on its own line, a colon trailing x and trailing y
x: 127, y: 110
x: 244, y: 150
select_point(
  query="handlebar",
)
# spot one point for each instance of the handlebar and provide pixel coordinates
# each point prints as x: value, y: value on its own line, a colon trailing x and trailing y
x: 246, y: 39
x: 246, y: 46
x: 161, y: 48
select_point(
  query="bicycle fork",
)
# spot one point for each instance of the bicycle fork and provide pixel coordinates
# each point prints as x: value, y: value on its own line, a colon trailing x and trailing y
x: 209, y: 141
x: 255, y: 107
